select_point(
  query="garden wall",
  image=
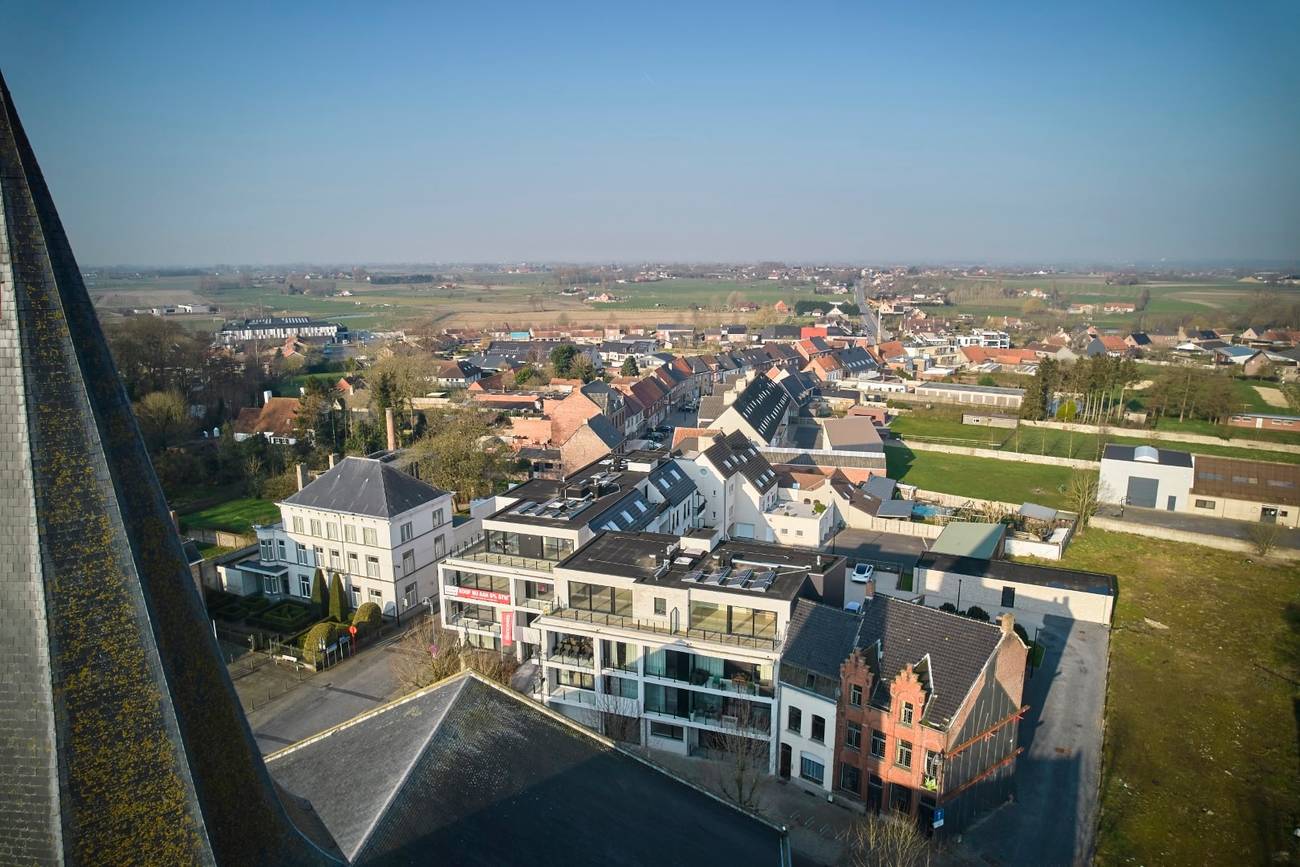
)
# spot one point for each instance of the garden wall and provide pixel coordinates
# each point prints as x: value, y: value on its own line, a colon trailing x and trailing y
x: 1019, y: 457
x: 1166, y: 436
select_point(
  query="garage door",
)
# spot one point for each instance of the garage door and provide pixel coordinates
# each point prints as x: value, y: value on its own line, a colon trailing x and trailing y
x: 1142, y: 492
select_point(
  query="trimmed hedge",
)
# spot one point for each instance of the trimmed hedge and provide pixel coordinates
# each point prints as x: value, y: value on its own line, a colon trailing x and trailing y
x: 286, y: 617
x: 243, y: 608
x: 327, y: 631
x: 367, y: 617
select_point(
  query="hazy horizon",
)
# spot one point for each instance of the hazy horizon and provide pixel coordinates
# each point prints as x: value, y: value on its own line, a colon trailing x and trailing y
x: 1014, y: 134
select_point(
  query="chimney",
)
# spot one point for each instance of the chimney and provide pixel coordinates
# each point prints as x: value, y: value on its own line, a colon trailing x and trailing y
x: 266, y: 397
x: 176, y: 522
x: 869, y: 591
x: 391, y: 422
x: 1007, y: 622
x: 301, y: 470
x: 334, y: 459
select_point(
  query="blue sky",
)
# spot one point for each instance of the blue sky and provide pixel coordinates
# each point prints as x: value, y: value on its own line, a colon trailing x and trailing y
x: 853, y: 131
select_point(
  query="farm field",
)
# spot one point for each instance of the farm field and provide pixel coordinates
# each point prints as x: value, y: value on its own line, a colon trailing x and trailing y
x: 1056, y: 443
x: 1197, y: 782
x: 981, y: 478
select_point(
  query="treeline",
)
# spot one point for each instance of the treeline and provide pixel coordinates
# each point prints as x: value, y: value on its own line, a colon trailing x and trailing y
x: 392, y: 279
x: 1091, y: 390
x: 806, y: 307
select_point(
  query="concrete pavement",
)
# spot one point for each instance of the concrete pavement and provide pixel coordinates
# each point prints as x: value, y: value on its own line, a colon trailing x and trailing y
x: 1200, y: 524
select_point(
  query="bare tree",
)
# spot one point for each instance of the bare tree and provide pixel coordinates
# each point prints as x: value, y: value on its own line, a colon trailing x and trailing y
x: 428, y: 653
x: 887, y: 841
x: 1081, y: 496
x: 745, y: 758
x: 1264, y: 537
x: 614, y: 724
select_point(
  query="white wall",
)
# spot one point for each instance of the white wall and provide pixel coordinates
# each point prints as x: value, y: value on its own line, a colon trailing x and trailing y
x: 801, y: 743
x: 1033, y: 602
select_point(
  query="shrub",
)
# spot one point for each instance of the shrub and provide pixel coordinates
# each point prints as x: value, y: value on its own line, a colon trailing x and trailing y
x: 1264, y: 537
x: 1023, y: 635
x: 285, y: 617
x: 949, y: 607
x: 338, y: 600
x: 319, y: 595
x: 977, y: 613
x: 367, y: 617
x: 325, y: 631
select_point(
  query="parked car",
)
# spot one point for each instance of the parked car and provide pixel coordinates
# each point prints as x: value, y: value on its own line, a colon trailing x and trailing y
x: 862, y: 573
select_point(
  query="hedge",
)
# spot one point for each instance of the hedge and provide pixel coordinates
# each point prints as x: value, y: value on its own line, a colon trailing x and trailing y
x: 367, y: 617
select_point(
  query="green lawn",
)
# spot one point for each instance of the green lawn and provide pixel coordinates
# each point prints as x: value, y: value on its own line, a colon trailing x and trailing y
x: 235, y: 516
x: 1200, y: 761
x: 980, y: 478
x: 948, y: 430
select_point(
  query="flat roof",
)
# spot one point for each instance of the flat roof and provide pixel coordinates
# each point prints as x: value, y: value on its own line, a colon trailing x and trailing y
x: 757, y: 570
x: 968, y: 539
x: 1023, y: 573
x: 957, y: 386
x: 1164, y: 457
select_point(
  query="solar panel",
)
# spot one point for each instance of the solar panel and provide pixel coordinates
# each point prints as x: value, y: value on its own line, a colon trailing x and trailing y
x: 693, y: 576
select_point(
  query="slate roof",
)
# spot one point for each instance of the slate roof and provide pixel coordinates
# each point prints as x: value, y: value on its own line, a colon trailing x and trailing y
x: 734, y: 453
x: 473, y: 774
x: 819, y: 638
x: 671, y: 483
x: 605, y: 430
x: 906, y: 633
x: 365, y: 486
x: 629, y: 513
x: 763, y: 405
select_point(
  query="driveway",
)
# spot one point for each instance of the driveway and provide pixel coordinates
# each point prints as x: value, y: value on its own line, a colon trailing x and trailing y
x: 1202, y: 524
x: 1053, y: 819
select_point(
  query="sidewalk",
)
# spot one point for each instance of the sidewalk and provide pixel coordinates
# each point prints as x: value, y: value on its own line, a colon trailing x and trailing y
x: 817, y: 828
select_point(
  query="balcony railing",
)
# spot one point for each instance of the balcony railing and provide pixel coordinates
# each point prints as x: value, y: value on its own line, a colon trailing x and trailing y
x: 464, y: 621
x: 537, y: 604
x: 477, y: 551
x: 572, y: 659
x: 631, y: 623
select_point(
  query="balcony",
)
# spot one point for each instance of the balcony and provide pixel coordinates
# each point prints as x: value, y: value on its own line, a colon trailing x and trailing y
x: 603, y: 702
x: 618, y: 621
x: 573, y: 659
x: 462, y: 621
x: 478, y: 553
x: 535, y: 604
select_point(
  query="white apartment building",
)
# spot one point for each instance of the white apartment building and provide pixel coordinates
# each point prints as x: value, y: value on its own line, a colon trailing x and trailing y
x: 985, y: 338
x: 675, y: 643
x: 494, y: 588
x: 379, y: 528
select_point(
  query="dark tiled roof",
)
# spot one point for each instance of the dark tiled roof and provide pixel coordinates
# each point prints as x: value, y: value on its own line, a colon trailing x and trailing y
x: 364, y: 486
x: 671, y: 482
x: 906, y: 633
x: 734, y: 453
x: 763, y: 404
x: 1166, y: 457
x: 819, y: 638
x: 1023, y: 573
x: 605, y: 430
x: 481, y: 775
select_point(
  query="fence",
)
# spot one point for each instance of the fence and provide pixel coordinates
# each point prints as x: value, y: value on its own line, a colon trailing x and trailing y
x: 1019, y: 457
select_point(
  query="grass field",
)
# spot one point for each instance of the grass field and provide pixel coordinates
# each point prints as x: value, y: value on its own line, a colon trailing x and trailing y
x: 1200, y: 762
x: 981, y: 478
x: 235, y: 516
x: 948, y: 430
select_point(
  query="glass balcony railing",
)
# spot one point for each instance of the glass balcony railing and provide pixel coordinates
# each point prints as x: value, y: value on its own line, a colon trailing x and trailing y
x: 535, y: 604
x: 572, y: 659
x: 619, y: 621
x: 463, y: 621
x: 478, y: 553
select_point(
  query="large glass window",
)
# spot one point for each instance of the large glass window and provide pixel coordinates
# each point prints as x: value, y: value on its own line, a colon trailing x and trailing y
x: 576, y: 679
x: 707, y: 615
x: 623, y: 687
x: 812, y: 770
x: 476, y: 581
x: 598, y: 597
x: 667, y: 700
x: 619, y: 654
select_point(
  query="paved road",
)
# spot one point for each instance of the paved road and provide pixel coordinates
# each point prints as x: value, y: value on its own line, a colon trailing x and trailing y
x: 868, y: 320
x: 1053, y: 819
x: 327, y: 699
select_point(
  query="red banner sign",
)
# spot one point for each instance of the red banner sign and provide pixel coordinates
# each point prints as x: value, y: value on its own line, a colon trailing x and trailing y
x: 477, y: 595
x: 507, y: 627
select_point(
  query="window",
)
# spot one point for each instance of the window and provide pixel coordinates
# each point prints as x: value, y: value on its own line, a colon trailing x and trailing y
x: 810, y: 681
x: 406, y: 532
x: 336, y: 561
x: 355, y: 593
x: 664, y: 730
x: 853, y: 737
x: 903, y: 758
x: 268, y: 550
x: 320, y: 555
x: 931, y: 764
x: 302, y: 554
x: 369, y: 535
x: 439, y: 547
x: 1205, y: 504
x: 877, y: 743
x: 331, y: 530
x: 281, y: 549
x: 304, y: 585
x: 349, y: 533
x: 439, y: 518
x: 661, y: 606
x: 907, y: 713
x: 297, y: 523
x: 408, y: 563
x: 811, y: 770
x: 850, y: 779
x: 354, y: 567
x: 1008, y: 597
x: 819, y: 729
x: 794, y: 721
x: 377, y: 596
x: 597, y: 597
x: 372, y: 567
x: 315, y: 527
x: 855, y: 695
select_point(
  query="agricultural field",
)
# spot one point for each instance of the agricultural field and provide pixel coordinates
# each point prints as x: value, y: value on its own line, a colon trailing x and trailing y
x: 980, y: 478
x: 1213, y: 781
x: 948, y: 430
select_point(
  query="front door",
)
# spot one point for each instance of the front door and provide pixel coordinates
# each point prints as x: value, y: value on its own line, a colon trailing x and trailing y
x: 1173, y: 501
x: 1268, y: 515
x: 785, y: 761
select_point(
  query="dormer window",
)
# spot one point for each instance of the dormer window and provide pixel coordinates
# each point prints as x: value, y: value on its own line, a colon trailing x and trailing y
x: 906, y: 714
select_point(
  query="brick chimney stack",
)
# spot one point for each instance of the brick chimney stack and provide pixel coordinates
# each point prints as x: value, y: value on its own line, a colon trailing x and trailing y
x: 391, y: 422
x: 301, y: 470
x: 1007, y: 622
x: 869, y: 592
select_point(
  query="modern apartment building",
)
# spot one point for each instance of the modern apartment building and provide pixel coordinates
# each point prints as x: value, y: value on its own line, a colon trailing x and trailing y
x: 675, y: 642
x: 278, y: 328
x: 381, y: 529
x: 493, y: 589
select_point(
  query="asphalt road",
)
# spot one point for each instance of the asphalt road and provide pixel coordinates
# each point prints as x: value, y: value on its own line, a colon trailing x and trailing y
x: 331, y: 697
x: 1053, y: 819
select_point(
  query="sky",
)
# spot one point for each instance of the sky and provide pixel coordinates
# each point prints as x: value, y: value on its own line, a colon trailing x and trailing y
x: 862, y: 131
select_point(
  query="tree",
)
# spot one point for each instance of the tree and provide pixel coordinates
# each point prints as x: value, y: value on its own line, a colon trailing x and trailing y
x: 583, y: 368
x: 987, y: 380
x: 462, y: 454
x: 887, y: 840
x: 1143, y: 299
x: 629, y: 367
x: 319, y: 595
x: 428, y: 653
x: 1081, y: 496
x: 1263, y: 537
x: 561, y: 359
x: 745, y: 758
x: 164, y: 419
x: 1032, y: 306
x: 613, y: 724
x: 338, y: 599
